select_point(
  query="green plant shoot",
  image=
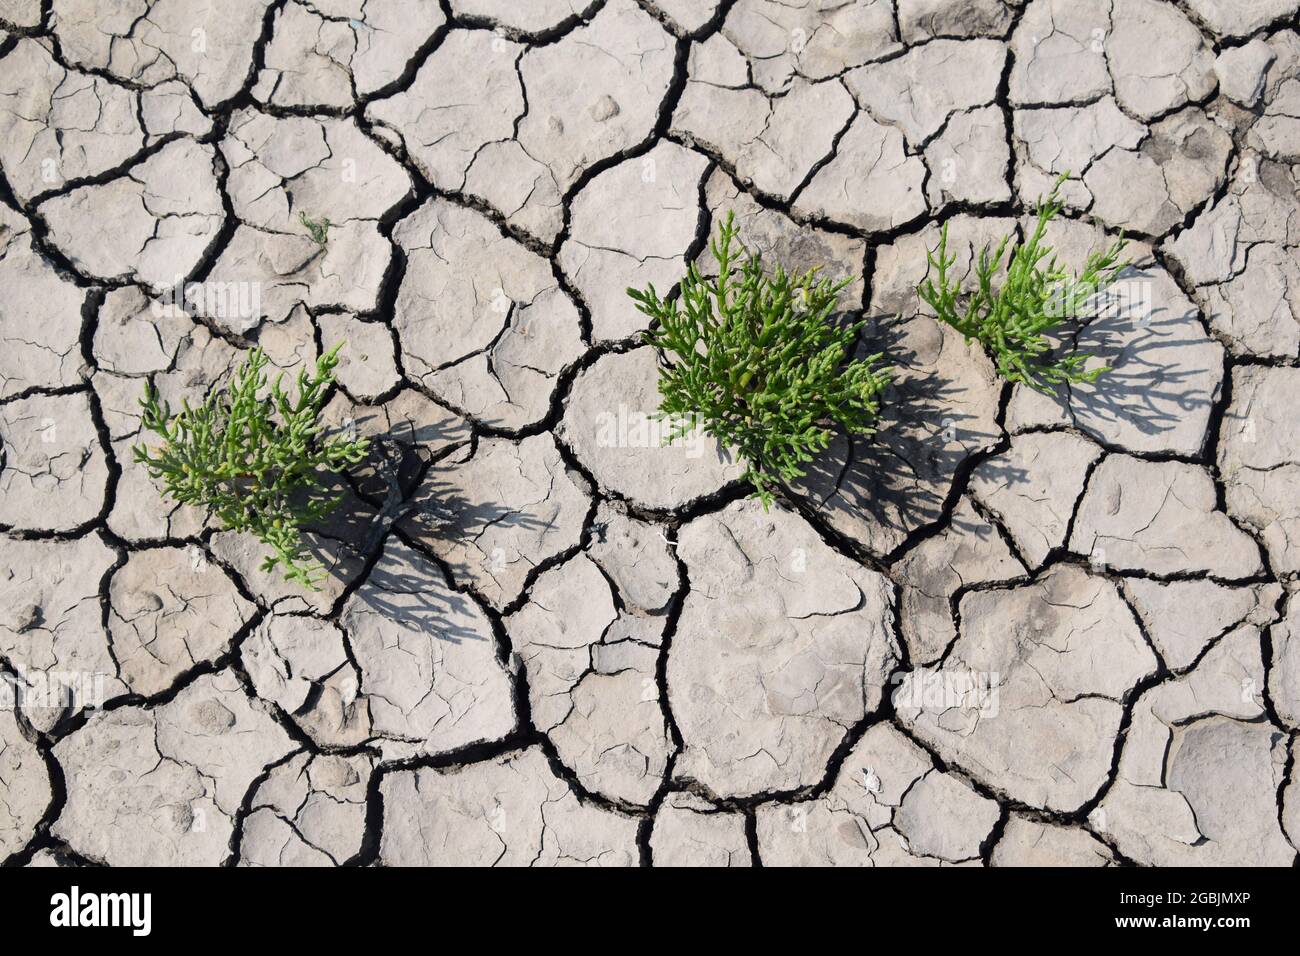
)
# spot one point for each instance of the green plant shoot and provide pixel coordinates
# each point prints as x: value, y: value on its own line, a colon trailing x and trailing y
x: 318, y: 229
x: 255, y: 462
x: 1013, y: 323
x: 758, y: 362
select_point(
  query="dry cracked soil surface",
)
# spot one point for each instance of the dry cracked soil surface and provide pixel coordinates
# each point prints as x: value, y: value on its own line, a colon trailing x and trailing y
x: 1009, y: 629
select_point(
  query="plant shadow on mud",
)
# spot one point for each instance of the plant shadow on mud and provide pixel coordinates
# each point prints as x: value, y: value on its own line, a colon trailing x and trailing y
x: 1141, y: 342
x: 933, y: 419
x: 930, y: 424
x: 900, y: 478
x: 396, y: 486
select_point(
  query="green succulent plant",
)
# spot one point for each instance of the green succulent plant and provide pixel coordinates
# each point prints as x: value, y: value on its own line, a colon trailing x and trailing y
x: 1013, y: 323
x: 256, y: 462
x: 758, y: 361
x: 318, y: 229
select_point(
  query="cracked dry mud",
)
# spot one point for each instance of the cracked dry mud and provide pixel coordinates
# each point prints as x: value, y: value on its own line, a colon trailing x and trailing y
x: 1009, y: 629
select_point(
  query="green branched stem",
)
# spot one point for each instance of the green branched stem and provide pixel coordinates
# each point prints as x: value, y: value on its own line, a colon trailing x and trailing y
x: 757, y: 361
x: 1013, y: 322
x: 255, y: 462
x: 318, y: 229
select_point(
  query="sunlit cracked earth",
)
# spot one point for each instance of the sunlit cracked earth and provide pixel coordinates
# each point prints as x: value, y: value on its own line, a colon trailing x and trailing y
x: 1006, y: 630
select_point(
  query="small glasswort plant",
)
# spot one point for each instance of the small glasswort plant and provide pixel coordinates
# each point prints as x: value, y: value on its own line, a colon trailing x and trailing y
x: 756, y: 360
x: 318, y: 229
x: 1012, y: 323
x: 257, y: 462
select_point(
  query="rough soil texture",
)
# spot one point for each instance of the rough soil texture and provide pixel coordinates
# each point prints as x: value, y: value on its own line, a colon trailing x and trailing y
x: 1008, y: 629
